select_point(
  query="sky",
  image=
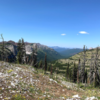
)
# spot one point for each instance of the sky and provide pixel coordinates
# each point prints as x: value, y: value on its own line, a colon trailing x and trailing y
x: 63, y: 23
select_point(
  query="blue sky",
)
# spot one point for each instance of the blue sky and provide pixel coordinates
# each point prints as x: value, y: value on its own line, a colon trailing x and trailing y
x: 64, y: 23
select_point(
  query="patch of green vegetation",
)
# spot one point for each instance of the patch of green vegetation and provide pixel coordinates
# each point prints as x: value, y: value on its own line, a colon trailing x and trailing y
x: 71, y: 58
x: 18, y: 97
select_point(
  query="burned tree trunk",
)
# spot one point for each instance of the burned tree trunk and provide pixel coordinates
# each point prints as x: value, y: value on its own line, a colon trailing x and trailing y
x: 82, y: 67
x: 94, y: 72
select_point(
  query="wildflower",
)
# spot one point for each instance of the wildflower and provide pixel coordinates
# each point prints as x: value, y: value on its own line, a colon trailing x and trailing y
x: 9, y: 71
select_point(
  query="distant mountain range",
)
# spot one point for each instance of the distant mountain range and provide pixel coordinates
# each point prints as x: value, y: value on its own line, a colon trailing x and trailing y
x: 53, y: 52
x: 66, y: 52
x: 41, y: 50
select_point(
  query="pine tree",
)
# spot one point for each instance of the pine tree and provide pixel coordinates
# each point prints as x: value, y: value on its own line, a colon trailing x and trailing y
x: 67, y: 71
x: 45, y: 62
x: 70, y: 74
x: 40, y: 64
x: 19, y: 58
x: 23, y: 51
x: 35, y: 57
x: 74, y: 73
x: 51, y: 70
x: 77, y: 76
x: 19, y: 54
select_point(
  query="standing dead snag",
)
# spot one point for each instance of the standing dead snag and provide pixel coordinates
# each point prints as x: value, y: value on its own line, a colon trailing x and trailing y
x: 82, y: 67
x: 94, y: 71
x: 2, y: 55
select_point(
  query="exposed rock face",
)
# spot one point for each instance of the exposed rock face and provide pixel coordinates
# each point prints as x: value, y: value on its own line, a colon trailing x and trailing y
x: 13, y: 48
x: 29, y: 49
x: 41, y: 49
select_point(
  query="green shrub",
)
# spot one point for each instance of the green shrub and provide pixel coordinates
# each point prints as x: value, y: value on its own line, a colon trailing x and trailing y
x: 18, y: 97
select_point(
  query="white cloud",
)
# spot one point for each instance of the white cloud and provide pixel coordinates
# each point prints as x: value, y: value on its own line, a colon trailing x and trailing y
x: 83, y: 32
x: 63, y: 34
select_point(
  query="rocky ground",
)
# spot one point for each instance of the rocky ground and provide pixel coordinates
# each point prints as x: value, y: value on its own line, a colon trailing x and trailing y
x: 23, y: 82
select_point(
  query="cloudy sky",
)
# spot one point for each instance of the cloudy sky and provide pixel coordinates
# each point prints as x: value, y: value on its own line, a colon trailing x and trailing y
x: 64, y: 23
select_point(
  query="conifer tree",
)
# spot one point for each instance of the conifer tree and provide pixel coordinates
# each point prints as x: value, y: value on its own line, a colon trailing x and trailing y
x: 77, y: 76
x: 45, y: 62
x: 70, y: 74
x: 35, y: 56
x: 19, y: 54
x: 67, y: 71
x: 23, y: 51
x: 74, y: 73
x: 19, y: 58
x: 40, y: 64
x: 51, y: 70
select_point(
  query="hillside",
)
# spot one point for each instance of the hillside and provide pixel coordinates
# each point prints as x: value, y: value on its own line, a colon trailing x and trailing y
x: 58, y: 49
x: 23, y: 82
x: 42, y: 49
x: 75, y: 58
x: 66, y: 52
x: 70, y: 52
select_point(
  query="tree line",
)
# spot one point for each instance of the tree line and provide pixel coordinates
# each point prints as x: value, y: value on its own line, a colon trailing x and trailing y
x: 76, y: 74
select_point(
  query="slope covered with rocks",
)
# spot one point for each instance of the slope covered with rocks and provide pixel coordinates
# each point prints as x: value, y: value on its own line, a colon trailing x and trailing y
x: 27, y: 83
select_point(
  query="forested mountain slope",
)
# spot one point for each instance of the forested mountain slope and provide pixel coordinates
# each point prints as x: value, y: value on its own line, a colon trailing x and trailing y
x: 41, y: 50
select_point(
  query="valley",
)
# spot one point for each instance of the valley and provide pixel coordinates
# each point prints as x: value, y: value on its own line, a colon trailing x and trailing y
x: 56, y: 72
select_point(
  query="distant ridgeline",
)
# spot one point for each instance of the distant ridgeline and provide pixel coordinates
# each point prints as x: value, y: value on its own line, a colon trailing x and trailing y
x: 11, y: 51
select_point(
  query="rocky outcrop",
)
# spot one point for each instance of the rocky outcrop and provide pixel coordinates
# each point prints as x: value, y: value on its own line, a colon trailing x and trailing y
x: 29, y: 49
x: 13, y: 48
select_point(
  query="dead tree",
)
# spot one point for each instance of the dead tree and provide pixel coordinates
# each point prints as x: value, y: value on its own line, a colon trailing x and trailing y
x: 82, y: 68
x: 2, y: 48
x: 94, y: 71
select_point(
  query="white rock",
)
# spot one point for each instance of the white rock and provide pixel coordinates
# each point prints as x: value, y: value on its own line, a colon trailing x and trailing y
x: 0, y: 96
x: 3, y: 88
x: 51, y: 79
x: 63, y: 90
x: 76, y: 96
x: 44, y: 95
x: 69, y: 99
x: 91, y: 98
x: 48, y: 95
x: 9, y: 86
x: 62, y: 97
x: 12, y: 84
x: 1, y: 74
x: 13, y: 92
